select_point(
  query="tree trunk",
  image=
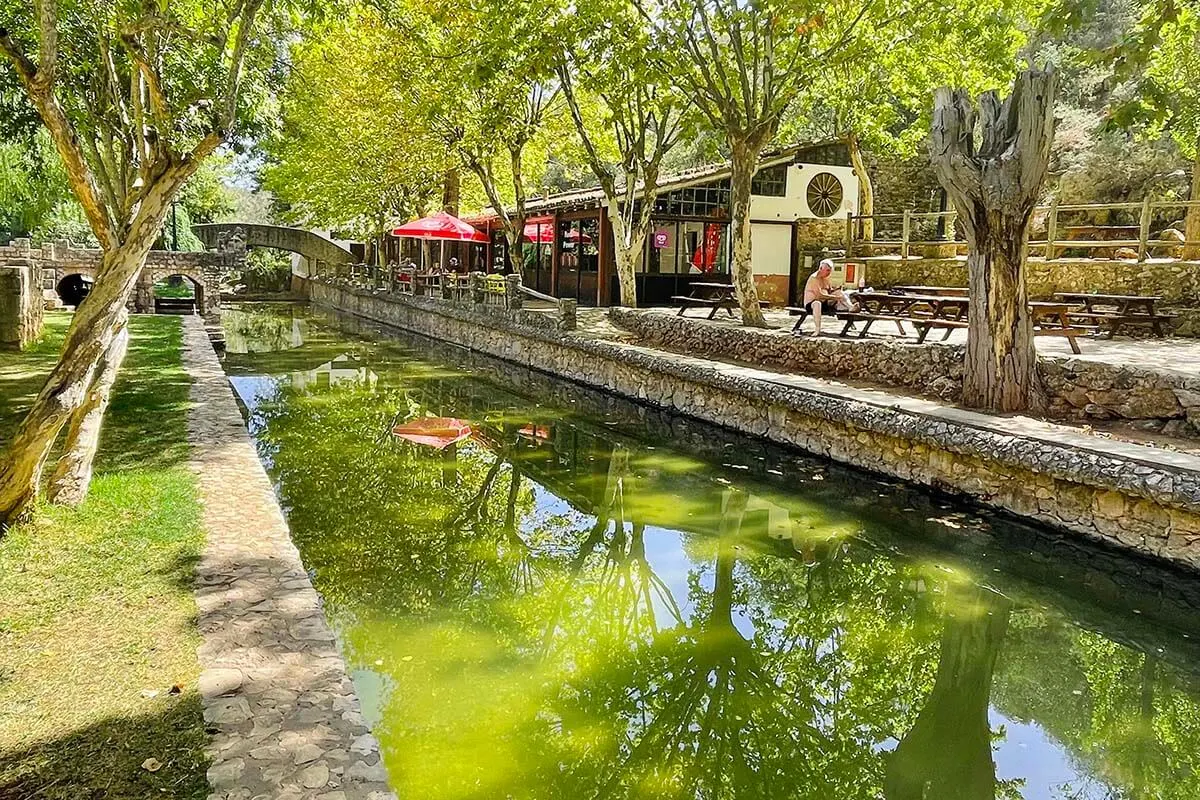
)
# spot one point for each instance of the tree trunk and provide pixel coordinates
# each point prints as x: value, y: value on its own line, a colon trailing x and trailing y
x: 866, y: 189
x: 948, y: 751
x: 1191, y: 224
x: 451, y: 191
x: 745, y: 162
x: 88, y: 338
x: 994, y: 192
x: 628, y: 241
x: 73, y: 473
x: 1000, y: 372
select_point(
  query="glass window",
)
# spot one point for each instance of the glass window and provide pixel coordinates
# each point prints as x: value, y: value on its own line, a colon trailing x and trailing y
x: 770, y: 182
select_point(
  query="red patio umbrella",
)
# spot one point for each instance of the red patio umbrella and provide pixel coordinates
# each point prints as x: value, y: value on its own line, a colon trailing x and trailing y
x: 442, y: 226
x: 544, y: 234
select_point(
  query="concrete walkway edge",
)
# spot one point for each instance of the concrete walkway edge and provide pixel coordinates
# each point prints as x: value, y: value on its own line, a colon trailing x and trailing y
x: 286, y: 722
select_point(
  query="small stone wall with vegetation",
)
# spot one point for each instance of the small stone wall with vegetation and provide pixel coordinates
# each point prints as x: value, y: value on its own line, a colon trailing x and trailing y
x: 1078, y: 389
x: 1177, y: 282
x: 21, y: 306
x: 1143, y: 500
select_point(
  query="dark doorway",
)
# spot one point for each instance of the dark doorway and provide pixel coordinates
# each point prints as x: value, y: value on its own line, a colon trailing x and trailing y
x: 73, y: 288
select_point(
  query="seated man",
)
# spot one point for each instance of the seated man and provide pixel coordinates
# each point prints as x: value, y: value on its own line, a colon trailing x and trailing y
x: 820, y: 295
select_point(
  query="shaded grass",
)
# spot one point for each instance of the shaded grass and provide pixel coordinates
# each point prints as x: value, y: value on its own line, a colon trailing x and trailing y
x: 96, y: 609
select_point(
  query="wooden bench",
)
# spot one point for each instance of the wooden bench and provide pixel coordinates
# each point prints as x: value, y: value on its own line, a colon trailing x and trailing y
x: 1112, y: 312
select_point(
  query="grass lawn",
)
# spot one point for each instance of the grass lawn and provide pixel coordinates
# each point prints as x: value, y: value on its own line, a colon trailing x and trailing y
x: 97, y: 619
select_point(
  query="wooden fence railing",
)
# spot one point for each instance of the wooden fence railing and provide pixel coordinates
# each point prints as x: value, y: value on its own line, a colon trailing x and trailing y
x: 504, y: 292
x: 1052, y: 236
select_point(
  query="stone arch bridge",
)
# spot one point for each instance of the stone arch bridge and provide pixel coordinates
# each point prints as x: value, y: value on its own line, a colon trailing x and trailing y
x: 64, y: 269
x: 312, y: 246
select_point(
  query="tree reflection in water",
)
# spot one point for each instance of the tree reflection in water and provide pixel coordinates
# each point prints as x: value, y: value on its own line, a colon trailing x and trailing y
x: 562, y: 608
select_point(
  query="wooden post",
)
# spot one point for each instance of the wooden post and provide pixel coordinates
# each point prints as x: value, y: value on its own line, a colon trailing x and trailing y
x: 849, y: 234
x: 1051, y: 229
x: 1144, y: 229
x: 905, y: 230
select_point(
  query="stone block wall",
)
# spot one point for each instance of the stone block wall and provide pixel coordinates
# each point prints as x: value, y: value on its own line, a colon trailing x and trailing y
x: 55, y: 260
x: 1177, y: 282
x: 1126, y: 497
x: 1078, y: 389
x: 21, y: 306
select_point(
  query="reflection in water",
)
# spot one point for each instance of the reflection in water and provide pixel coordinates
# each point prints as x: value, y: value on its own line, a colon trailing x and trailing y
x: 591, y: 599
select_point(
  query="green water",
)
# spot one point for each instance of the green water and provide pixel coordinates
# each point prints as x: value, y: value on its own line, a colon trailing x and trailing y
x: 591, y: 599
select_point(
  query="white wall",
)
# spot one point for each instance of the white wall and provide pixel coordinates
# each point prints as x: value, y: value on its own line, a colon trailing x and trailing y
x: 794, y: 206
x: 771, y: 249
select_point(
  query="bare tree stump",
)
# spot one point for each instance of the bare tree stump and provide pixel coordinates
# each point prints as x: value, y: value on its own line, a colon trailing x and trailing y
x: 994, y: 187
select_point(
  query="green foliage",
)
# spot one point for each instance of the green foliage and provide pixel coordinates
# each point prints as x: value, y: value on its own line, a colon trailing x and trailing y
x: 352, y: 153
x: 881, y: 94
x: 32, y: 185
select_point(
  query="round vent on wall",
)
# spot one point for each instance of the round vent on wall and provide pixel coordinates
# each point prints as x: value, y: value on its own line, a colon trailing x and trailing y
x: 824, y: 194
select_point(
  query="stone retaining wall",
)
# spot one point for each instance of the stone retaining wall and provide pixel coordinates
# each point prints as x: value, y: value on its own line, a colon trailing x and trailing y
x: 1143, y: 500
x: 21, y: 307
x: 55, y: 260
x: 1078, y: 389
x: 1177, y: 282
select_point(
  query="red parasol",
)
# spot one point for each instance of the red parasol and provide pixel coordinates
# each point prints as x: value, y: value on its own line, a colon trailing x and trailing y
x: 436, y: 432
x: 441, y: 226
x: 544, y: 234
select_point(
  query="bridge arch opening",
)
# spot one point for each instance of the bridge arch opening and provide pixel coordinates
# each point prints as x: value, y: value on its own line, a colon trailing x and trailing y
x: 73, y: 288
x: 178, y: 294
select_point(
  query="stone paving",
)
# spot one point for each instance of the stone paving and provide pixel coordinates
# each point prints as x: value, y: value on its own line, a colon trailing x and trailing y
x: 277, y: 699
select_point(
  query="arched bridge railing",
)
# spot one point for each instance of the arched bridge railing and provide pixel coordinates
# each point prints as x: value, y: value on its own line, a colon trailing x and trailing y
x: 311, y: 245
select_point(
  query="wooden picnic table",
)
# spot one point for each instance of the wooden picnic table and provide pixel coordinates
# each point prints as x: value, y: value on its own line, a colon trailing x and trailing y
x: 1115, y: 311
x: 1054, y: 319
x: 923, y: 311
x: 945, y: 312
x: 940, y: 291
x: 708, y: 294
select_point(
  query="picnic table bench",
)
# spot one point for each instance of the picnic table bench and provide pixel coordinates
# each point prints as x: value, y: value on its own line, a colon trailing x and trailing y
x: 1112, y: 312
x: 942, y: 312
x: 711, y: 295
x: 923, y: 312
x: 939, y: 291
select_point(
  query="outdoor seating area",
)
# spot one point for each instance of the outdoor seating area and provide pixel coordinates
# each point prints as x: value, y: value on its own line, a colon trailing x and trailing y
x: 945, y: 308
x: 711, y: 295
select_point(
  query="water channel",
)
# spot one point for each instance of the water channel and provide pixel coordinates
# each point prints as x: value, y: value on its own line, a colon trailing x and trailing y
x: 592, y: 599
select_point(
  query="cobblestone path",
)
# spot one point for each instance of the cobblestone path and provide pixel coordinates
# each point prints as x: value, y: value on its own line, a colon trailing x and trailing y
x: 284, y: 717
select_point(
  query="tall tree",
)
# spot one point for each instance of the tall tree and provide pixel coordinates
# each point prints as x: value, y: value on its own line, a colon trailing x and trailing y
x: 134, y: 97
x: 482, y: 73
x: 881, y: 100
x: 641, y: 112
x: 994, y: 186
x: 352, y: 154
x: 1161, y: 58
x: 744, y: 64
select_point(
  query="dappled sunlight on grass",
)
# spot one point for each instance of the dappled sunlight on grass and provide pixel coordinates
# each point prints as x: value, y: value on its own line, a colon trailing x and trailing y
x: 96, y: 607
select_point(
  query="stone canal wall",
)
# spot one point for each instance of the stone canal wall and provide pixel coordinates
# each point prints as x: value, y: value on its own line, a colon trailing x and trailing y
x: 1133, y: 497
x: 1077, y: 389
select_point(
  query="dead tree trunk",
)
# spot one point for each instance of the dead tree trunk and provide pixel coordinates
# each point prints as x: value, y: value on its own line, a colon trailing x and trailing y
x: 994, y: 188
x: 73, y: 473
